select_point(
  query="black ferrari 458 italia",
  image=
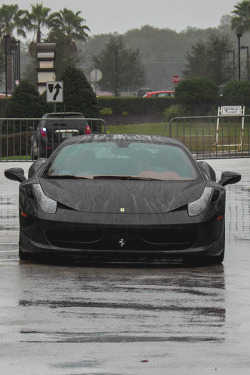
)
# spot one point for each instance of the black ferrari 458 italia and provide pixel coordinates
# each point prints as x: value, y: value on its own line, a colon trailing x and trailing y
x: 122, y: 197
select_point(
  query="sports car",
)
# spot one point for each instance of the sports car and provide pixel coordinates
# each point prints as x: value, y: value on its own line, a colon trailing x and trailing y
x: 122, y: 197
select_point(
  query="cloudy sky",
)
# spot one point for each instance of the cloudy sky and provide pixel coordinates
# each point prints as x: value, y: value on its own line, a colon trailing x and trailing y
x: 108, y: 16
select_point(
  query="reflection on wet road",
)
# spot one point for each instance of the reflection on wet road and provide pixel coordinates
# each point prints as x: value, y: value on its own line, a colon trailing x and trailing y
x: 61, y: 319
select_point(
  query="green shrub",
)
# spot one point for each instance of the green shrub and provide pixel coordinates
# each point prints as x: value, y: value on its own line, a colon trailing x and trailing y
x: 197, y: 95
x: 106, y: 111
x: 15, y: 144
x: 3, y: 106
x: 174, y: 111
x: 25, y: 102
x: 236, y: 93
x: 133, y: 105
x: 78, y: 93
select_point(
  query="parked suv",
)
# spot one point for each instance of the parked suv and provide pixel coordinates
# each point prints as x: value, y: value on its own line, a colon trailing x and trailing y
x: 53, y: 129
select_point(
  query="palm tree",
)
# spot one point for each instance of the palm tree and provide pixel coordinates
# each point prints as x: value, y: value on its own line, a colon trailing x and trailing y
x: 38, y: 19
x: 70, y: 24
x: 11, y: 19
x: 66, y: 27
x: 241, y: 18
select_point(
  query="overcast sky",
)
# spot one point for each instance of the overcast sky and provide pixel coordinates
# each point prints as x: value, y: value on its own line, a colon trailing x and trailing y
x: 108, y: 16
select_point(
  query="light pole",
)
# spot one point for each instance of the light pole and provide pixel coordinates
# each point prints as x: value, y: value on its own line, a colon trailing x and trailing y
x: 234, y: 65
x: 6, y: 64
x: 239, y: 35
x: 12, y: 63
x: 247, y: 48
x: 116, y: 73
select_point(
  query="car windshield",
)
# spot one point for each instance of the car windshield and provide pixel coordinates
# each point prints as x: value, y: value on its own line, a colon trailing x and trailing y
x: 132, y: 160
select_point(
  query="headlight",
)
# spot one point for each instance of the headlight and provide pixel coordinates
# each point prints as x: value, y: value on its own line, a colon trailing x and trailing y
x: 47, y: 205
x: 198, y: 206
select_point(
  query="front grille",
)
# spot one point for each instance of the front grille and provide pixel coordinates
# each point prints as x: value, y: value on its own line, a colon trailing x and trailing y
x: 74, y: 239
x: 123, y: 239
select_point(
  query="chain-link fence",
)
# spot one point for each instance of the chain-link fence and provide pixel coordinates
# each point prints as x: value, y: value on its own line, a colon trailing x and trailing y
x: 205, y: 136
x: 213, y: 136
x: 30, y: 138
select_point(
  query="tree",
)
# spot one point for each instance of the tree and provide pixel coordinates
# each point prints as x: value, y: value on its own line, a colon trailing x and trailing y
x: 196, y: 94
x: 237, y: 92
x: 66, y: 54
x: 71, y: 25
x: 37, y: 19
x: 66, y: 28
x: 122, y: 69
x: 25, y: 102
x: 210, y: 59
x: 12, y: 19
x: 78, y: 94
x: 241, y: 17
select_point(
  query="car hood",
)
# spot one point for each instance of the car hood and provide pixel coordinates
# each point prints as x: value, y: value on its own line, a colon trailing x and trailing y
x: 127, y: 196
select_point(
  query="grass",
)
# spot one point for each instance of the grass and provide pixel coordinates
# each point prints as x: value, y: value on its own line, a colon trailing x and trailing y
x: 16, y: 158
x: 148, y: 128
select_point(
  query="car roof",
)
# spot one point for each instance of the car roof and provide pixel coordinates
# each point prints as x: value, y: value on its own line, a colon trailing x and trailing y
x: 63, y: 114
x: 158, y: 92
x: 126, y: 138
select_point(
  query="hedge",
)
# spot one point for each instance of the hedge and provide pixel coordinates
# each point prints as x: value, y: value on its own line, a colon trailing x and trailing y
x: 3, y: 106
x: 15, y: 144
x: 133, y: 106
x: 130, y: 105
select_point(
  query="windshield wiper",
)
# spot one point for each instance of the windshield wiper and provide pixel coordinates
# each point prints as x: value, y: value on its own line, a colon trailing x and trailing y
x: 67, y: 177
x: 111, y: 177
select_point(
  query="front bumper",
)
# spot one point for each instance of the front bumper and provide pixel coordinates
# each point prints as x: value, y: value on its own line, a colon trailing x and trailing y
x: 124, y: 237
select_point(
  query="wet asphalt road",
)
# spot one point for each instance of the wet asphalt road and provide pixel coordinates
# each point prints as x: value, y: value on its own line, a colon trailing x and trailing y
x: 70, y: 319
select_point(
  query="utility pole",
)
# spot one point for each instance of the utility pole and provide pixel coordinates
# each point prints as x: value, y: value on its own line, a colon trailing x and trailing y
x: 239, y: 35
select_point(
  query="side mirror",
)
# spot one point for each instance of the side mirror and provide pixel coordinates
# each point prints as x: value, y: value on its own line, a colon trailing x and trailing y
x: 36, y: 166
x: 15, y: 174
x: 229, y: 178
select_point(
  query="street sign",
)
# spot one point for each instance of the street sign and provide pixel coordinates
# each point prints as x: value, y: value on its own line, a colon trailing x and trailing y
x: 95, y: 75
x: 235, y: 110
x: 54, y: 92
x: 176, y: 79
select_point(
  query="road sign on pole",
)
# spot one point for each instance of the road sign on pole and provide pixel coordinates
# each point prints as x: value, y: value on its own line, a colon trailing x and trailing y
x: 176, y: 79
x: 54, y: 92
x: 95, y: 75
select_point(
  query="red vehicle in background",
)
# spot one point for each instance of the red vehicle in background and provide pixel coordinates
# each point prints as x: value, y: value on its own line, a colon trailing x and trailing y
x: 159, y: 94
